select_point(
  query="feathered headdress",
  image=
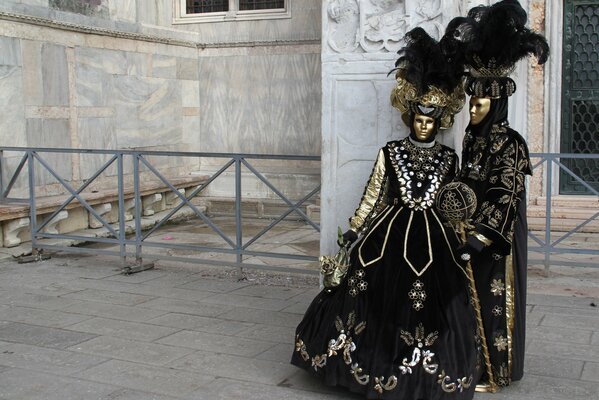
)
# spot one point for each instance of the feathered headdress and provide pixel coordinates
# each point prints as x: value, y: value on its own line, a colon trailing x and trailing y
x: 490, y: 40
x: 427, y: 82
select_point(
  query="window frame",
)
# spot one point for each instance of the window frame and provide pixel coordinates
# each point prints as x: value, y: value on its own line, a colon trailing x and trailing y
x: 180, y: 15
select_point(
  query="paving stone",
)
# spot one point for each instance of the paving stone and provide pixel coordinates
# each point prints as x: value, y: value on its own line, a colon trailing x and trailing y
x: 595, y: 338
x: 579, y: 311
x: 279, y: 334
x: 171, y: 292
x: 270, y: 292
x: 590, y: 371
x: 203, y: 324
x: 262, y: 317
x: 247, y: 301
x: 217, y: 343
x: 550, y: 388
x: 572, y: 321
x: 555, y: 334
x: 34, y: 300
x: 230, y: 389
x: 218, y: 286
x: 187, y: 307
x: 558, y: 301
x: 533, y: 319
x: 547, y: 365
x: 280, y: 352
x: 131, y: 350
x: 297, y: 308
x: 123, y: 329
x: 235, y: 367
x: 105, y: 296
x: 40, y: 359
x: 21, y: 384
x: 170, y: 279
x: 564, y: 350
x: 165, y: 381
x: 41, y: 335
x: 128, y: 394
x: 92, y: 308
x: 143, y: 277
x: 55, y: 319
x: 303, y: 380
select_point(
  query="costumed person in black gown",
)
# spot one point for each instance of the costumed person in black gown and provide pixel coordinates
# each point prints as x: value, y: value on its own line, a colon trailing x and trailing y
x: 495, y: 163
x: 400, y: 324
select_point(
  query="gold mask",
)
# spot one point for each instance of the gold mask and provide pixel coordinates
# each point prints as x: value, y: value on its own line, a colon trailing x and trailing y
x: 423, y: 127
x: 479, y: 108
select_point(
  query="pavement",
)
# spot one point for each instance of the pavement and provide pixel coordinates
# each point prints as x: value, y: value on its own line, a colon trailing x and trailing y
x: 73, y: 327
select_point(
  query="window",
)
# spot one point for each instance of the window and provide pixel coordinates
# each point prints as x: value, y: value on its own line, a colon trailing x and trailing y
x: 194, y: 11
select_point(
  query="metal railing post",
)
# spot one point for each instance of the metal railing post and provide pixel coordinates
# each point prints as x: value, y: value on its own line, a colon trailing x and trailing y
x: 32, y: 210
x: 138, y: 206
x: 238, y: 221
x: 548, y: 192
x: 121, y: 214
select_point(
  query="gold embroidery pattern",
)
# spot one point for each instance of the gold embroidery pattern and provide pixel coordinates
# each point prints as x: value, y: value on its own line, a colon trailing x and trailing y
x: 300, y: 347
x: 357, y: 283
x: 379, y: 386
x: 497, y: 287
x: 356, y: 372
x: 417, y: 295
x: 420, y: 353
x: 503, y: 376
x: 500, y: 343
x: 319, y: 361
x: 459, y: 385
x: 344, y: 341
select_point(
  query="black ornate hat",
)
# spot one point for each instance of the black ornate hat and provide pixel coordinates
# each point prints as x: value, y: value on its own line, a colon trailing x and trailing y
x: 490, y: 40
x: 427, y: 83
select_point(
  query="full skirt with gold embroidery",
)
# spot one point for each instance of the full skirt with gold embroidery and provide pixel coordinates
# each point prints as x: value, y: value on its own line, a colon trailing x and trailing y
x: 401, y: 324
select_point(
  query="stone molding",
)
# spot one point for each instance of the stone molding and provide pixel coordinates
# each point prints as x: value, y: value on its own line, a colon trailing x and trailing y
x: 68, y: 26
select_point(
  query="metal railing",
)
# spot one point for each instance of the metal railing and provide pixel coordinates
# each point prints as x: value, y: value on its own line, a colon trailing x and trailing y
x: 32, y: 158
x: 546, y: 245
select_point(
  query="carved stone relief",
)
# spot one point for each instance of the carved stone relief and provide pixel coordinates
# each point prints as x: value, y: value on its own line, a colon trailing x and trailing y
x: 373, y: 26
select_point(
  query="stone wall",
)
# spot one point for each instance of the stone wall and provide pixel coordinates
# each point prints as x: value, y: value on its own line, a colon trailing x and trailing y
x: 117, y: 74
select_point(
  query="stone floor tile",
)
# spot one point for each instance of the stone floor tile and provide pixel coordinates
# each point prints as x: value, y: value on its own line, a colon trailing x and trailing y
x: 278, y: 334
x: 270, y: 292
x: 131, y: 350
x: 234, y: 300
x: 126, y: 313
x: 147, y: 275
x: 235, y: 367
x: 122, y: 329
x: 297, y: 308
x: 533, y: 318
x: 590, y: 371
x: 18, y: 384
x: 216, y: 343
x: 262, y: 317
x: 15, y: 297
x: 34, y: 316
x: 232, y: 389
x: 187, y: 307
x: 585, y: 311
x: 280, y: 352
x: 550, y: 388
x: 111, y: 297
x: 41, y: 335
x: 172, y: 279
x: 595, y: 338
x: 213, y: 285
x: 555, y: 334
x: 305, y: 381
x: 161, y: 380
x: 564, y: 350
x: 128, y: 394
x: 547, y: 365
x: 203, y: 324
x: 171, y: 292
x: 572, y: 321
x: 42, y: 359
x: 558, y: 301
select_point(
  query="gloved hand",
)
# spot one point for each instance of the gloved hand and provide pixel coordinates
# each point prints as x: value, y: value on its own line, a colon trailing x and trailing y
x: 348, y: 238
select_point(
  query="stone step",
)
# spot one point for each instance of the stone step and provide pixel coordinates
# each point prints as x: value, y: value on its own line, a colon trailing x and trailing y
x: 583, y: 202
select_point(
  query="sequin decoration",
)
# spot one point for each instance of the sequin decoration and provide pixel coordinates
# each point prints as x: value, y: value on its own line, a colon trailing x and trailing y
x: 420, y: 353
x: 500, y: 343
x: 417, y: 295
x: 497, y: 287
x: 449, y: 386
x: 497, y: 311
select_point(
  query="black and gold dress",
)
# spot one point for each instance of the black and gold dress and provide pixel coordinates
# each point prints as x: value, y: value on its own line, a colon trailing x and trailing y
x: 400, y: 325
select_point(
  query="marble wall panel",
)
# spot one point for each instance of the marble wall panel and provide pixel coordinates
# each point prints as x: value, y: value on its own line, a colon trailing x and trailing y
x: 50, y: 133
x: 187, y: 68
x: 93, y: 84
x: 164, y: 67
x: 33, y: 90
x: 39, y: 3
x: 190, y: 91
x: 155, y: 12
x: 265, y: 103
x: 12, y: 108
x: 55, y: 75
x: 138, y: 64
x: 96, y: 133
x: 148, y: 112
x: 123, y: 10
x: 191, y: 133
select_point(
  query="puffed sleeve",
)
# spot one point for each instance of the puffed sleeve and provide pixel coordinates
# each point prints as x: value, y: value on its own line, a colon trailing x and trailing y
x: 373, y: 197
x: 494, y: 222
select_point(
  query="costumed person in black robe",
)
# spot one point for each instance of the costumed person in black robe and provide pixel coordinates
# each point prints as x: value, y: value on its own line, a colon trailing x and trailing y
x: 400, y: 324
x: 495, y: 163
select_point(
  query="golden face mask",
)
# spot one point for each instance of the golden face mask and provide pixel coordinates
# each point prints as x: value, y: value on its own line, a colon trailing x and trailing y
x: 423, y: 127
x: 479, y: 108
